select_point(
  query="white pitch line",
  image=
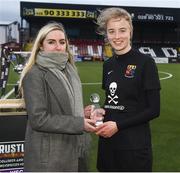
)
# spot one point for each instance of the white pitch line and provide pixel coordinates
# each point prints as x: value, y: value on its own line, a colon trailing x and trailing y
x: 92, y: 83
x: 8, y: 94
x: 11, y: 84
x: 85, y: 83
x: 169, y: 75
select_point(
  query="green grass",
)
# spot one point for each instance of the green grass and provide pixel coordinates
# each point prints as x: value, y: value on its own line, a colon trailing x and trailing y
x: 165, y: 129
x: 12, y: 79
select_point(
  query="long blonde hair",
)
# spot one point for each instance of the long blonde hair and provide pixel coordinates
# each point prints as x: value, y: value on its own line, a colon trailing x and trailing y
x: 38, y: 43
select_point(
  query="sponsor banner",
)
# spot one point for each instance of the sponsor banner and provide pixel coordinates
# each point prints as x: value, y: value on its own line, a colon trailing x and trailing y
x: 12, y: 156
x: 15, y: 170
x: 173, y: 60
x: 158, y: 51
x: 162, y: 60
x: 153, y: 17
x: 77, y: 58
x: 87, y: 58
x: 149, y: 14
x: 12, y: 135
x: 60, y: 13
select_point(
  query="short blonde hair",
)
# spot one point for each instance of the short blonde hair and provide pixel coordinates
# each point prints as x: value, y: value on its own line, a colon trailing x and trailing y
x: 109, y: 13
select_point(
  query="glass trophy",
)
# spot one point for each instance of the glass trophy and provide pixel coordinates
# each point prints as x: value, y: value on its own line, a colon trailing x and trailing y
x: 94, y: 98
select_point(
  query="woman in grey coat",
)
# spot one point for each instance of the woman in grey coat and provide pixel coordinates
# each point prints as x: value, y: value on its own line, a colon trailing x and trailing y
x: 56, y: 138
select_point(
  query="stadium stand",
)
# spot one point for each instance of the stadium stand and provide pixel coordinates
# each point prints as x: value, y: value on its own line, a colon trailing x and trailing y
x: 156, y: 30
x: 87, y: 49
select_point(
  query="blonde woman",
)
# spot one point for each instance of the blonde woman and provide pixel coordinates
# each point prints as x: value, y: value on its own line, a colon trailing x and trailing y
x: 132, y: 88
x: 55, y: 138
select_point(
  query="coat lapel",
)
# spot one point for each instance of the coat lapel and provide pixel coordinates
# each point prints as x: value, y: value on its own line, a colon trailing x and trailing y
x: 59, y: 90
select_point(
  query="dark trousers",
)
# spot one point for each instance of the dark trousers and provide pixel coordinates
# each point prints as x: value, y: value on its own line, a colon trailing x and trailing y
x: 113, y: 160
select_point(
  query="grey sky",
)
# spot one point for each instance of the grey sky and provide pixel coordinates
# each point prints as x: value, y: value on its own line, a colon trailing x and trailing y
x: 10, y: 9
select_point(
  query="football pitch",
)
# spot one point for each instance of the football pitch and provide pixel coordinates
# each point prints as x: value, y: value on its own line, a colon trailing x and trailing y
x: 165, y: 129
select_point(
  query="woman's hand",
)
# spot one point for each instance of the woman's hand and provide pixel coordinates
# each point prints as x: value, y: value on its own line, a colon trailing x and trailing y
x: 97, y: 114
x: 89, y: 125
x: 107, y: 129
x: 87, y: 111
x: 92, y: 113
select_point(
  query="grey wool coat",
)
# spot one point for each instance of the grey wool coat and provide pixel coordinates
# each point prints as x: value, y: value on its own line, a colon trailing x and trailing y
x: 52, y: 133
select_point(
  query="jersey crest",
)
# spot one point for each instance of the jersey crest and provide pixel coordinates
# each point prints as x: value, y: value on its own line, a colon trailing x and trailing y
x: 130, y: 71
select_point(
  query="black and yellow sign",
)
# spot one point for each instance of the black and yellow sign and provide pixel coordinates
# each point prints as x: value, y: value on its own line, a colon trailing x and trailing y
x: 65, y: 13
